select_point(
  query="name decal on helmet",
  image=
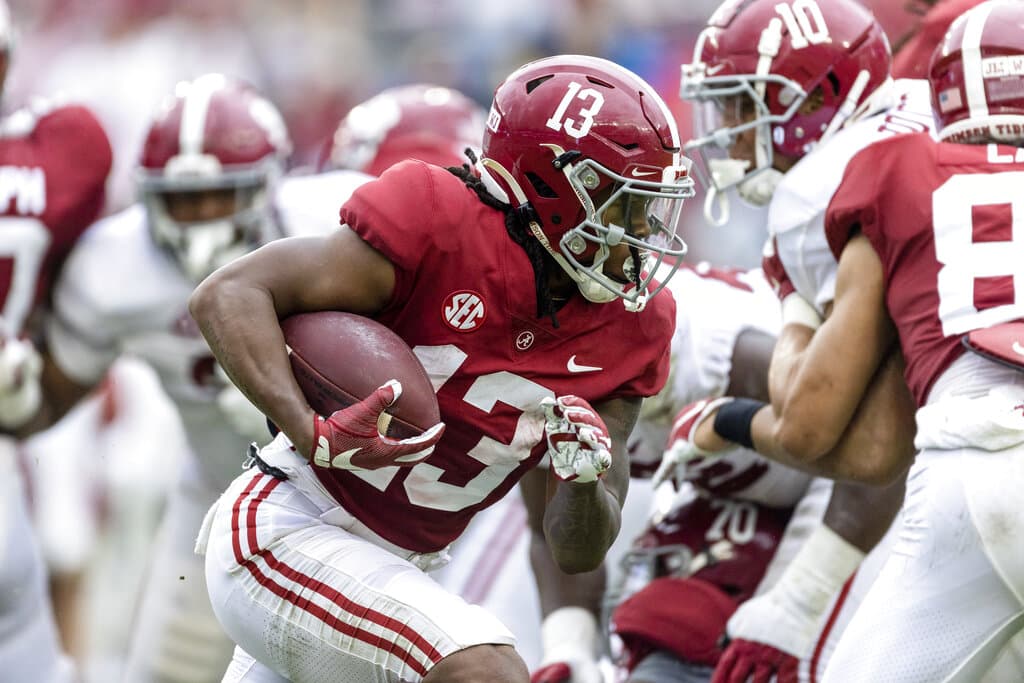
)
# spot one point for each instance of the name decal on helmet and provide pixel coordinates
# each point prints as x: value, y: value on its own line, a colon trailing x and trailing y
x: 464, y: 311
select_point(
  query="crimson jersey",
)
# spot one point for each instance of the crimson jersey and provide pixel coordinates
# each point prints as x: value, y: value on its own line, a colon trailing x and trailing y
x: 53, y: 169
x: 945, y: 220
x: 464, y: 301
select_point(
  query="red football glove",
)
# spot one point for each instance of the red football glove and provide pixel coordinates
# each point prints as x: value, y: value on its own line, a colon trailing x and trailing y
x: 350, y: 440
x: 559, y: 672
x: 745, y: 660
x: 578, y: 439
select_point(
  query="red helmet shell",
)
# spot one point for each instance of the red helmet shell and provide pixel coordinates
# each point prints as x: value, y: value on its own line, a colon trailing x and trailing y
x: 977, y: 75
x: 421, y: 121
x: 218, y: 118
x: 573, y: 103
x: 824, y: 43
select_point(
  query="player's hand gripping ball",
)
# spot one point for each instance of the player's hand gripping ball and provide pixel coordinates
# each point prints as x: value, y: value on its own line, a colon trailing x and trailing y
x: 375, y: 404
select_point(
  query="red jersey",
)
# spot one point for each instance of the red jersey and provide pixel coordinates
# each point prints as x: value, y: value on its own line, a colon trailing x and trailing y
x: 752, y: 533
x: 946, y: 221
x: 464, y: 300
x: 53, y: 171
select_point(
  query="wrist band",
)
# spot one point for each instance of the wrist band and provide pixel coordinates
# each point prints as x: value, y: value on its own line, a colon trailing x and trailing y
x: 732, y: 421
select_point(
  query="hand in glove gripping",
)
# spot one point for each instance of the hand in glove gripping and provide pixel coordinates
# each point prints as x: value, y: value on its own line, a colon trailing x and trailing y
x: 350, y: 440
x: 769, y: 634
x: 681, y: 449
x: 578, y: 439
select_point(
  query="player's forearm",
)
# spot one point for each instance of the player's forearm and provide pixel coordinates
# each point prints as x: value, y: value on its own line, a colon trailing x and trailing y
x: 581, y: 523
x: 861, y: 513
x: 786, y: 360
x: 240, y: 324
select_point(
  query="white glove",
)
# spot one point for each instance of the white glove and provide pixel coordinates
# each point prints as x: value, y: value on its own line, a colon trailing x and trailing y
x: 681, y: 449
x: 788, y: 617
x: 20, y: 390
x: 570, y: 646
x: 578, y: 439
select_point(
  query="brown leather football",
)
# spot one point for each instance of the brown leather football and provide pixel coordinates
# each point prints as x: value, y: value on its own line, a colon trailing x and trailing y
x: 341, y: 358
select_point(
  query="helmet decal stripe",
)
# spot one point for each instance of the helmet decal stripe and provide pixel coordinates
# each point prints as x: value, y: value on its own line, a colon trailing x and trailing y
x: 974, y: 84
x: 193, y: 115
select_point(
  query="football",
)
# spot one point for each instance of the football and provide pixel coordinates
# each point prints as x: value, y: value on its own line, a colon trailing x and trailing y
x: 340, y: 358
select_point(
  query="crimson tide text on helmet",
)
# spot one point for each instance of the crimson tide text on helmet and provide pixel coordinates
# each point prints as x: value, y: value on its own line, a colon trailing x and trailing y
x: 420, y: 121
x: 794, y: 71
x: 214, y: 134
x: 568, y: 137
x: 977, y: 75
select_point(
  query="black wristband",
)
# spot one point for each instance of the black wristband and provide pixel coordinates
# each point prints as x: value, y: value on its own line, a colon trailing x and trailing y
x: 732, y: 421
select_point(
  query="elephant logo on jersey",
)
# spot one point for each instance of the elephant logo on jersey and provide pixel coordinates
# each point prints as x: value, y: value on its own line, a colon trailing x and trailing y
x: 464, y: 311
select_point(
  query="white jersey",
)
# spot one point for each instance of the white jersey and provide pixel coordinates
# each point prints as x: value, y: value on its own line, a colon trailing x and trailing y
x: 796, y: 215
x: 713, y: 306
x: 146, y: 312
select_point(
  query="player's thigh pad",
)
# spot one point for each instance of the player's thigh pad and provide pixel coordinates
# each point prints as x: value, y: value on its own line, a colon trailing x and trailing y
x: 937, y: 598
x: 317, y: 603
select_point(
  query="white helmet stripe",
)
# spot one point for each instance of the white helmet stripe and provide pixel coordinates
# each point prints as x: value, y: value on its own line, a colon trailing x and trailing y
x: 971, y: 51
x: 193, y: 115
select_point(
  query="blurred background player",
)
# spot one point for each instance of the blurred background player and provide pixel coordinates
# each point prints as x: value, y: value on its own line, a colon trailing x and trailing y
x: 54, y: 162
x: 211, y: 188
x: 206, y: 177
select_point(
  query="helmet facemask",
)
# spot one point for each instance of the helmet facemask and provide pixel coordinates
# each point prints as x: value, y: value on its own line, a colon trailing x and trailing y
x: 200, y: 245
x: 728, y: 106
x: 586, y: 249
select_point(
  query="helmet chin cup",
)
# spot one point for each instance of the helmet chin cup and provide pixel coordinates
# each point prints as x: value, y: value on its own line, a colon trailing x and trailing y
x: 758, y: 189
x: 595, y: 292
x: 727, y: 172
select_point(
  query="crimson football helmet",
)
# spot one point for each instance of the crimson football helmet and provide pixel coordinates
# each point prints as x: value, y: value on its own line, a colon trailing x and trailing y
x: 976, y: 75
x: 215, y: 133
x: 421, y: 121
x: 568, y: 137
x: 757, y: 64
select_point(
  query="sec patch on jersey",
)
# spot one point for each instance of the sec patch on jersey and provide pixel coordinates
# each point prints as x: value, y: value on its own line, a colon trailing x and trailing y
x: 340, y: 358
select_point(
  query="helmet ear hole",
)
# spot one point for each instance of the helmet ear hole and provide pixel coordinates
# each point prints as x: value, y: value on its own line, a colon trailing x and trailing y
x: 540, y: 187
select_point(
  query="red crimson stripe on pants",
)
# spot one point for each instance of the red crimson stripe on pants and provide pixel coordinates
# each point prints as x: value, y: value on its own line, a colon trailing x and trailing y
x: 277, y: 567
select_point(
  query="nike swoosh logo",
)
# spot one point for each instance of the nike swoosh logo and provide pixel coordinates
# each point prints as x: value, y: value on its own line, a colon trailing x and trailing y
x: 712, y: 70
x: 637, y: 173
x: 1017, y: 348
x: 573, y: 366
